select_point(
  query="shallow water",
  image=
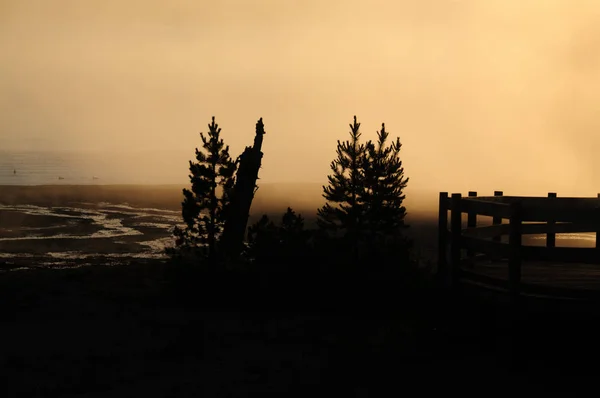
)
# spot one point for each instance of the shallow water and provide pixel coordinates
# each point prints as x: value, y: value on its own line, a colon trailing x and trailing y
x: 71, y: 235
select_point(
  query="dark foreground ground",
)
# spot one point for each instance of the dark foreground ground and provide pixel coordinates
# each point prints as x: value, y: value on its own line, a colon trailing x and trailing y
x: 136, y: 330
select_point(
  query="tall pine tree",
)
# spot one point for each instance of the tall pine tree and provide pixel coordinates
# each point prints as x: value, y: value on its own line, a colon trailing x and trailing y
x: 344, y: 210
x: 204, y: 208
x: 365, y: 194
x: 384, y: 187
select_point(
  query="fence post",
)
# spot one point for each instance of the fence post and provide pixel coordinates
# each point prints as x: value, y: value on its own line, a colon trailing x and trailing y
x: 471, y: 223
x: 456, y: 231
x: 497, y: 220
x: 514, y: 260
x: 442, y: 266
x: 514, y: 284
x: 598, y: 233
x: 550, y: 235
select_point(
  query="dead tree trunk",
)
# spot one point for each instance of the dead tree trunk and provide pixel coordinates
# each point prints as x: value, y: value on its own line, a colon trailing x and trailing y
x: 236, y: 222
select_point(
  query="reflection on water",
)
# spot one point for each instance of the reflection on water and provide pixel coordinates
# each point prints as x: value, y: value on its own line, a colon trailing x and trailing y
x: 583, y: 239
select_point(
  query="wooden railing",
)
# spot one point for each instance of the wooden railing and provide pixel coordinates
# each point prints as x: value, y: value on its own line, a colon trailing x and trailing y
x: 526, y: 215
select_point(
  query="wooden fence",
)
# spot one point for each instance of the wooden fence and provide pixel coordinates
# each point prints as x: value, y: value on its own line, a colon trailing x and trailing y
x: 526, y: 215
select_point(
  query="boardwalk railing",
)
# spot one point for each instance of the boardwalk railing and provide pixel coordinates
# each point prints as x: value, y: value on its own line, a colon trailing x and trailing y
x: 503, y: 241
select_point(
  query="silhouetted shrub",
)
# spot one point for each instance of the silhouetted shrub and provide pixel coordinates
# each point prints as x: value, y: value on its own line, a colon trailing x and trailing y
x: 278, y: 248
x: 263, y: 241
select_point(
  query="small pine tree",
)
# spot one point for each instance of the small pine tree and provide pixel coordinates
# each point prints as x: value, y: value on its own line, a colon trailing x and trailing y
x: 203, y: 211
x: 343, y: 210
x: 384, y: 186
x: 383, y: 197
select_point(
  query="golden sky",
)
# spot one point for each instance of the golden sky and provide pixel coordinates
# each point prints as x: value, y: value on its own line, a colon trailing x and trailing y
x: 494, y: 94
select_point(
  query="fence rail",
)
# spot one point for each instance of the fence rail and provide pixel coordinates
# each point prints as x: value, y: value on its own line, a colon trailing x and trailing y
x: 525, y: 215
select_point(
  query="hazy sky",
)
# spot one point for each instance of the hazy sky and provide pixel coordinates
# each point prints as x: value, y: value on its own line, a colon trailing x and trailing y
x: 484, y: 94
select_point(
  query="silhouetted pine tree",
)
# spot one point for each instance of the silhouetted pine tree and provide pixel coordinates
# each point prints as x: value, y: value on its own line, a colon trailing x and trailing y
x: 344, y: 209
x: 204, y: 208
x: 384, y: 183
